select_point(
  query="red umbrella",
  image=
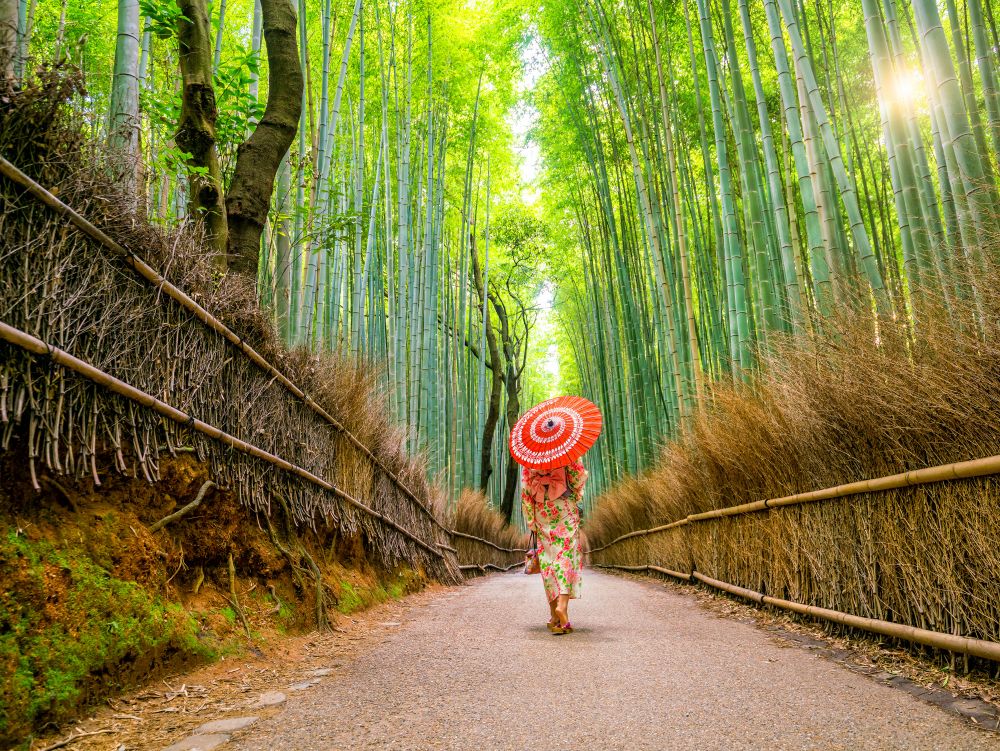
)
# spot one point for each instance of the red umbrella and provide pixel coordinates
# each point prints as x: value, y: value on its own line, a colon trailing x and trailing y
x: 555, y: 433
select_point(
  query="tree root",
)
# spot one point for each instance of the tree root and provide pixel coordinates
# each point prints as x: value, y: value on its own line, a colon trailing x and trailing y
x: 206, y: 486
x: 312, y: 569
x: 232, y: 593
x: 198, y: 581
x: 74, y: 737
x: 63, y: 493
x: 277, y: 600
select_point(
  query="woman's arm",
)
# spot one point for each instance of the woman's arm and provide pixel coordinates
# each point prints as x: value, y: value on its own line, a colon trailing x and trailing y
x: 528, y: 507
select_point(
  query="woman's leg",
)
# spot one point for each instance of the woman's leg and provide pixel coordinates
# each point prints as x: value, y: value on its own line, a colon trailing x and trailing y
x: 561, y: 609
x: 553, y: 618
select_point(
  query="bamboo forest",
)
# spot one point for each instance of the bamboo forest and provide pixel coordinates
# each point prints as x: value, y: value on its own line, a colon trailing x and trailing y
x: 294, y: 270
x: 495, y: 201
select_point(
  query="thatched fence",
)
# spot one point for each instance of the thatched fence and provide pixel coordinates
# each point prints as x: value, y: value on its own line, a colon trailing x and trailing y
x: 104, y: 360
x: 913, y: 556
x: 482, y: 537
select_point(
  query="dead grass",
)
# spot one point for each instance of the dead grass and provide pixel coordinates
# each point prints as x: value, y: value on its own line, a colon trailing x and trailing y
x: 473, y: 515
x: 827, y: 410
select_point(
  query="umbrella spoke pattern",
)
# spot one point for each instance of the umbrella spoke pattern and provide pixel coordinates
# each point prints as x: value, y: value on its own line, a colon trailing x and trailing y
x: 555, y: 433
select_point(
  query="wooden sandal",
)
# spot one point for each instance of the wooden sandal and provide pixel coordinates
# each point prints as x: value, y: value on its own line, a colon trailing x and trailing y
x: 560, y: 630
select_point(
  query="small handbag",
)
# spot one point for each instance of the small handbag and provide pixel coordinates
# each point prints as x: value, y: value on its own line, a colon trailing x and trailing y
x: 531, y: 565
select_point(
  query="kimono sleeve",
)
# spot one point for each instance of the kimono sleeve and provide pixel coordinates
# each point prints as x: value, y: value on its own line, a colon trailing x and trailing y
x: 528, y: 506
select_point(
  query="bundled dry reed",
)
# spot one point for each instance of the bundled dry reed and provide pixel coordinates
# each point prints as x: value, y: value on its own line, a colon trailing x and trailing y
x: 66, y: 289
x: 483, y: 536
x: 850, y: 405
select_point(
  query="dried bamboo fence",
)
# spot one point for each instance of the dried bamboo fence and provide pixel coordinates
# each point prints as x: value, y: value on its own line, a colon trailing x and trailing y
x: 483, y: 555
x: 919, y: 565
x: 103, y: 353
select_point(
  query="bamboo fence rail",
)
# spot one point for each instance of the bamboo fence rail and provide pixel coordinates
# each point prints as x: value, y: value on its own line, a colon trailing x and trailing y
x: 926, y: 591
x: 483, y: 567
x: 949, y: 642
x: 60, y: 357
x: 989, y: 465
x: 476, y: 552
x: 487, y: 542
x: 149, y: 274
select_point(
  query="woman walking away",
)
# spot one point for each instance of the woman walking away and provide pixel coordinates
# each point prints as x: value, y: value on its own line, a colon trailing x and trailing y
x: 550, y: 500
x: 548, y: 442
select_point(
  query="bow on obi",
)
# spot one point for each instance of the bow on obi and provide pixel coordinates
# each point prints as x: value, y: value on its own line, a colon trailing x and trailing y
x: 553, y: 480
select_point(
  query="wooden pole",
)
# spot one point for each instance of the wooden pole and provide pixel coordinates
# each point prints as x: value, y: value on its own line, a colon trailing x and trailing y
x: 962, y: 644
x: 989, y: 465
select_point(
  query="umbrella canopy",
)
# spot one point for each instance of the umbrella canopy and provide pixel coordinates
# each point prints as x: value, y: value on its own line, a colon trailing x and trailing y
x: 556, y: 432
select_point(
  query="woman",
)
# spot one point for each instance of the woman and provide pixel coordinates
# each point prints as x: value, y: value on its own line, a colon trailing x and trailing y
x: 549, y: 499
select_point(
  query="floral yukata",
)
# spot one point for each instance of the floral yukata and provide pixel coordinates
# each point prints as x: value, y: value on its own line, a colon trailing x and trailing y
x: 549, y: 499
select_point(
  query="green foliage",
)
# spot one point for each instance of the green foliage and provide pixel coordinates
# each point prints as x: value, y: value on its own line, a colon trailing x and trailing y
x: 162, y: 17
x: 349, y: 599
x: 68, y: 627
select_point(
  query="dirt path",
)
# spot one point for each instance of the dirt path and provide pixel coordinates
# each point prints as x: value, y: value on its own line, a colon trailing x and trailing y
x: 475, y: 668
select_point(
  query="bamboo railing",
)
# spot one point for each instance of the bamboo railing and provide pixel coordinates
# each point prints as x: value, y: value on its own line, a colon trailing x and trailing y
x: 989, y: 465
x: 146, y: 272
x: 942, y: 473
x: 487, y: 542
x: 484, y: 566
x: 36, y: 346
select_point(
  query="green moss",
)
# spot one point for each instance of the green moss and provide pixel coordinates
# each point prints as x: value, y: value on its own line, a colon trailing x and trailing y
x: 67, y: 629
x: 397, y: 589
x: 349, y: 599
x: 356, y: 596
x: 229, y: 614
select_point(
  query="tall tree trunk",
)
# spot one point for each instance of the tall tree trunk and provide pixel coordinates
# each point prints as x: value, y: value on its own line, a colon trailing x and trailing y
x: 25, y: 22
x: 492, y: 415
x: 60, y: 32
x: 123, y: 118
x: 218, y: 37
x: 513, y: 384
x: 196, y: 129
x: 259, y: 158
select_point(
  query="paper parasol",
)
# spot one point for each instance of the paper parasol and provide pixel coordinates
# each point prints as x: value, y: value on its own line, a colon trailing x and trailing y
x: 555, y: 433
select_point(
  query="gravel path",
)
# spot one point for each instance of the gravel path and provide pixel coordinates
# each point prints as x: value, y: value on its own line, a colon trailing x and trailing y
x: 646, y: 669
